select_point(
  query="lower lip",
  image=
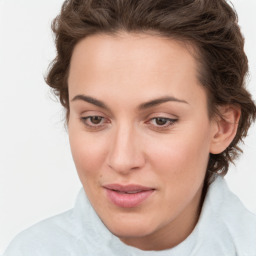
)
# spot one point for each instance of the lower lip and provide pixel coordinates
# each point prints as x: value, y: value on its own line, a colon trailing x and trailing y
x: 128, y: 200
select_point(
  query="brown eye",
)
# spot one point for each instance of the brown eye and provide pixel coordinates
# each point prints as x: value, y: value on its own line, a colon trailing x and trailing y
x: 95, y: 119
x: 161, y: 121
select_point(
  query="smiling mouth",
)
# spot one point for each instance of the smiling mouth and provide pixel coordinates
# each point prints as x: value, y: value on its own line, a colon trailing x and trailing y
x: 127, y: 196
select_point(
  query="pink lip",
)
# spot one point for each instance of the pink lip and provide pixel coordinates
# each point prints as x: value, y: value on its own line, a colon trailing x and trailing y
x: 127, y: 196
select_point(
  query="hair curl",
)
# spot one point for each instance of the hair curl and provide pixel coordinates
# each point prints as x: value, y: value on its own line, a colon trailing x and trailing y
x: 209, y: 25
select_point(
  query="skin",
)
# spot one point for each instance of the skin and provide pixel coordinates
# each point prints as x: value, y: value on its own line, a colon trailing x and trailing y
x: 116, y: 138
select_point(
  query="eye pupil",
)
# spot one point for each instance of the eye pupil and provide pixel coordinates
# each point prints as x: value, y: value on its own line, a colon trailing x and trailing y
x: 161, y: 121
x: 95, y: 119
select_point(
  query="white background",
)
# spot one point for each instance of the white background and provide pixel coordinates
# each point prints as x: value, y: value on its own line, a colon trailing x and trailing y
x: 37, y: 175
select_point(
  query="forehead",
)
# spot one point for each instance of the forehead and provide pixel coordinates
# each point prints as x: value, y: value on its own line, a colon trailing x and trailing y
x: 127, y: 63
x: 124, y: 48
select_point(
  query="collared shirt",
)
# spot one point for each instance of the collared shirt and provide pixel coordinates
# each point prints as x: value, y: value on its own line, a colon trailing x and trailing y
x: 225, y: 228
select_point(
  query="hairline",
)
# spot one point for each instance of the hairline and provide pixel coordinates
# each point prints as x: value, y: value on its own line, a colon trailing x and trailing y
x: 191, y: 46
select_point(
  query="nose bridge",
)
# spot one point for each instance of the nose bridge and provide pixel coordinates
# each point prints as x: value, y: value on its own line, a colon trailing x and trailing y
x: 125, y: 153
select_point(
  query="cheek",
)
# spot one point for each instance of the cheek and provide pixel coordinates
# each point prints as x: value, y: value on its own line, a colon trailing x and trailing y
x: 181, y: 157
x: 88, y: 153
x: 180, y: 164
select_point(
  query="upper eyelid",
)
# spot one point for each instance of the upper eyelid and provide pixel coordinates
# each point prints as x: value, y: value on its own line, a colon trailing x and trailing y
x: 162, y: 115
x: 167, y: 118
x: 147, y: 117
x: 91, y: 113
x: 96, y: 112
x: 171, y: 120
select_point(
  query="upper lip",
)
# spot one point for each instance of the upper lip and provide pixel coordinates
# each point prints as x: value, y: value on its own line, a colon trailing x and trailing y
x: 127, y: 188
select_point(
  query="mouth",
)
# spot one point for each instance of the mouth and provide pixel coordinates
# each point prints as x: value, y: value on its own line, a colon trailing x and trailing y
x: 127, y: 196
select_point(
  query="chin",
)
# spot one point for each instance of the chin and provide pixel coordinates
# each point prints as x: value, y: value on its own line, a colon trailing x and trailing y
x: 130, y: 232
x: 130, y: 227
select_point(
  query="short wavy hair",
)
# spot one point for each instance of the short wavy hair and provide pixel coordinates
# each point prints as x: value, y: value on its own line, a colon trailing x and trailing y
x: 211, y: 26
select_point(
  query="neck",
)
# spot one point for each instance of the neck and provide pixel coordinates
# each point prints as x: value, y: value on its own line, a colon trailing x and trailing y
x: 174, y: 232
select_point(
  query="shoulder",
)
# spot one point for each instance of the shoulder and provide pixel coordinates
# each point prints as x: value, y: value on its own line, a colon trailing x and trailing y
x: 52, y: 236
x: 69, y: 233
x: 232, y: 222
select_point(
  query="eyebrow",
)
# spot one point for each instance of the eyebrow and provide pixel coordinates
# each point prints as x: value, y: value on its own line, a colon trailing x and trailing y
x: 159, y: 101
x: 91, y: 100
x: 143, y: 106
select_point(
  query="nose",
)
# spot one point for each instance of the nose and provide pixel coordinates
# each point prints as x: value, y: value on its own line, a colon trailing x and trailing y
x: 126, y: 151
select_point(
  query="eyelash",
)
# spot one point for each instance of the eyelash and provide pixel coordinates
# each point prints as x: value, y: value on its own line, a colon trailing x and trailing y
x: 93, y: 126
x: 168, y: 122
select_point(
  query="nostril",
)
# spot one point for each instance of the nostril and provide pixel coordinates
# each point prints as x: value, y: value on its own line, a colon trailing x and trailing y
x: 125, y: 166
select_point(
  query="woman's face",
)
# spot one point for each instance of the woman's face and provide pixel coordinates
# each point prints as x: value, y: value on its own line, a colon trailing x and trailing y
x: 140, y: 135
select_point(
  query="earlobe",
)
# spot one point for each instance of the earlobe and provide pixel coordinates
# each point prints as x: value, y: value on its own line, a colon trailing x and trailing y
x: 225, y: 128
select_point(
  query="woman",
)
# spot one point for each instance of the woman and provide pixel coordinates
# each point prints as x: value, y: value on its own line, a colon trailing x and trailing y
x: 155, y: 107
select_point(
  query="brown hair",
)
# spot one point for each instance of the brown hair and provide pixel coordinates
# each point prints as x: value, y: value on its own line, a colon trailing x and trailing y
x: 210, y: 25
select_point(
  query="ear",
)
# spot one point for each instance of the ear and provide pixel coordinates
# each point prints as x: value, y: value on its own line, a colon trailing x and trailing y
x: 225, y: 128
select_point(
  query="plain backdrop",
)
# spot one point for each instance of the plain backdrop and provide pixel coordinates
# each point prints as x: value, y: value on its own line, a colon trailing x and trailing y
x: 37, y: 176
